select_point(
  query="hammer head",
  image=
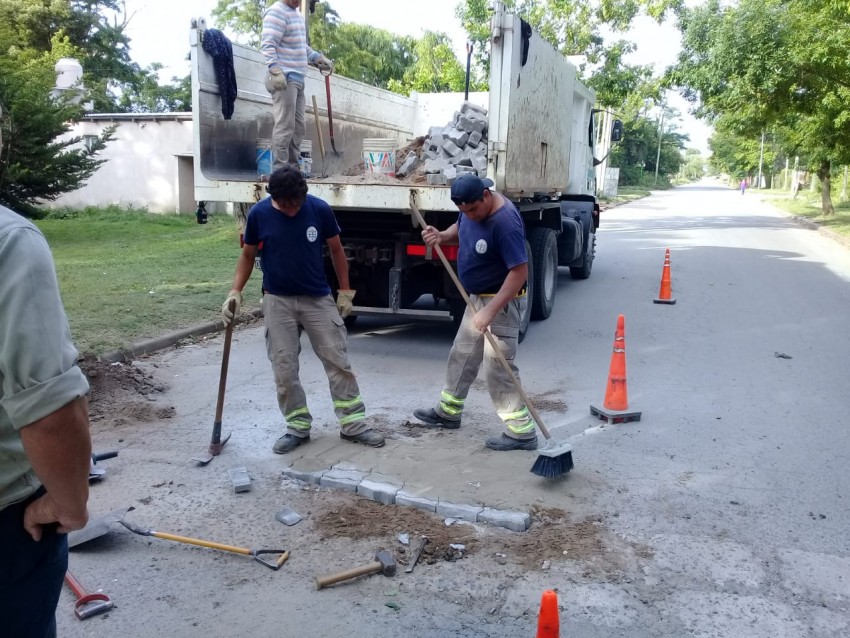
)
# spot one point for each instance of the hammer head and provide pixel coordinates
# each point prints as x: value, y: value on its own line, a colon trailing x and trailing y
x: 387, y: 561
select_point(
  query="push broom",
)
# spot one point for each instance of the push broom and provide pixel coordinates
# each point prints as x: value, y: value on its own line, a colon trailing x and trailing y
x: 555, y: 458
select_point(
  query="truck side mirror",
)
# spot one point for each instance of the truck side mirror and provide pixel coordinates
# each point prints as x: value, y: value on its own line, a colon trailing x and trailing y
x: 617, y: 131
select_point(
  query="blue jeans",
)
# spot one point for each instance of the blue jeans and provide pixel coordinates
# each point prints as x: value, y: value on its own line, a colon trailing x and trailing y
x: 31, y: 575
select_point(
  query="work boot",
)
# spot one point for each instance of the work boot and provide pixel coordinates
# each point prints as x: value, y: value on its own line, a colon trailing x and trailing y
x: 289, y: 442
x: 366, y: 437
x: 504, y: 443
x: 430, y: 419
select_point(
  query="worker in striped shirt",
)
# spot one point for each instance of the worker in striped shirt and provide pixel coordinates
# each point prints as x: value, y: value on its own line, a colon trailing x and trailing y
x: 284, y: 45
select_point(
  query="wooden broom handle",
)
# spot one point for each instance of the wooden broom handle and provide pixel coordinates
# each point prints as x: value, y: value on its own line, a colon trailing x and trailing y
x: 487, y: 332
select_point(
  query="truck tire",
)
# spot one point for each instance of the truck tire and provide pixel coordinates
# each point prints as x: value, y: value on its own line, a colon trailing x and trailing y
x: 525, y: 305
x: 544, y: 266
x: 583, y: 271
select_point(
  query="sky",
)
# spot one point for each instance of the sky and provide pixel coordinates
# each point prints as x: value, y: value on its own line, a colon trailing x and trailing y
x: 159, y: 32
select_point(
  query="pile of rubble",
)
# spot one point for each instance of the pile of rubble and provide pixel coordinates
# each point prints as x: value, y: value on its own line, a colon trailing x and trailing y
x: 451, y: 150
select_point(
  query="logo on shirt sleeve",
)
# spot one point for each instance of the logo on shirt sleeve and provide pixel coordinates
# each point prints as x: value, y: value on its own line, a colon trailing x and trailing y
x: 312, y: 234
x: 481, y: 246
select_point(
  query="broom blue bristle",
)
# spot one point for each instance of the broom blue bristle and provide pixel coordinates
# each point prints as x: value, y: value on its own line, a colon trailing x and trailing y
x: 553, y: 466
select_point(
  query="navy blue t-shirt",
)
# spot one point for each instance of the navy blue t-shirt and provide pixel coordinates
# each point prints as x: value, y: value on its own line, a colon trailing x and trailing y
x: 292, y: 258
x: 489, y: 249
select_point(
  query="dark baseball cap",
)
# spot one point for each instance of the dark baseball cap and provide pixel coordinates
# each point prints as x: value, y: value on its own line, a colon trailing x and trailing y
x: 468, y: 188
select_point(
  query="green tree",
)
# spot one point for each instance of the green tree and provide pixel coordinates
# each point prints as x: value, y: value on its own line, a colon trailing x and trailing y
x: 36, y: 162
x: 360, y: 52
x: 575, y: 27
x: 436, y: 69
x: 95, y: 31
x: 773, y: 65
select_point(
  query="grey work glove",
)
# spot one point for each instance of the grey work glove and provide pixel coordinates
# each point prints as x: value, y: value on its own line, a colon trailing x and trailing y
x: 227, y: 316
x: 275, y: 80
x: 345, y: 302
x: 324, y: 64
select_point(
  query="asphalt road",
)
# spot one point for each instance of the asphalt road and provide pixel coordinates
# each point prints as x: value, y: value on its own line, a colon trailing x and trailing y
x: 723, y: 512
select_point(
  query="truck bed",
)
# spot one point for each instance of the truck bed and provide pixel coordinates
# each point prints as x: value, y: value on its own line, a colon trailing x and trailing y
x: 533, y: 127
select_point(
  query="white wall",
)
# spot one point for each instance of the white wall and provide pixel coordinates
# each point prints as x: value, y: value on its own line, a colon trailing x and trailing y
x: 141, y: 170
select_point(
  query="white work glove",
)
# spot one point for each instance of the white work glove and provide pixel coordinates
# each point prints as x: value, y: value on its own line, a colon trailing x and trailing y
x: 226, y: 315
x: 323, y: 64
x: 345, y: 301
x: 275, y: 80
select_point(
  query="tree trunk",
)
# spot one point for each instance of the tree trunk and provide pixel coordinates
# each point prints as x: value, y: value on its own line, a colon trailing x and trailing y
x: 826, y: 184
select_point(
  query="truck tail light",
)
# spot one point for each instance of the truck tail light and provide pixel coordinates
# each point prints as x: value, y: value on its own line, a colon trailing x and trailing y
x: 421, y: 250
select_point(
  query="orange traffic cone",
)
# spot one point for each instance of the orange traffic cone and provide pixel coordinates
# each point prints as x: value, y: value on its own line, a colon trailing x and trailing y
x: 665, y: 292
x: 548, y: 623
x: 615, y: 408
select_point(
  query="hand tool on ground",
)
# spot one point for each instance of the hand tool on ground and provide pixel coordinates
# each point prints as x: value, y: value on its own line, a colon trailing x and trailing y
x: 330, y: 111
x: 87, y: 604
x: 216, y: 442
x: 384, y: 563
x: 97, y: 526
x: 555, y: 458
x: 256, y: 554
x: 97, y: 473
x: 415, y: 559
x: 319, y: 134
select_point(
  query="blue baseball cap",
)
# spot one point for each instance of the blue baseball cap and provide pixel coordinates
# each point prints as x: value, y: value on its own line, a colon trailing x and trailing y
x: 468, y: 188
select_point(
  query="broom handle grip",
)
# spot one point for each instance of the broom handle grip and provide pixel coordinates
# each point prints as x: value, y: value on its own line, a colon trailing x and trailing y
x: 487, y: 332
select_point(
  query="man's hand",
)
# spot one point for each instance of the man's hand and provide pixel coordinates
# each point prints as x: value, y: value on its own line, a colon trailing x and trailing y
x: 431, y: 236
x: 483, y: 318
x: 276, y: 80
x: 324, y: 64
x: 344, y: 302
x: 44, y: 511
x: 226, y: 314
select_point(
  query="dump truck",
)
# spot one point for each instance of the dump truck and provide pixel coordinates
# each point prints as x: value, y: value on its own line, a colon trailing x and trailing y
x: 540, y: 130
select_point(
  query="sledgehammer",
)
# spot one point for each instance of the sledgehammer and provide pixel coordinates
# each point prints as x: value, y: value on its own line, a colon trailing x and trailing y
x: 384, y: 563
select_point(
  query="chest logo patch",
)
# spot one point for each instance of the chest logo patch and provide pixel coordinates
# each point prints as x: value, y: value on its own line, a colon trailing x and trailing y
x: 481, y: 246
x: 312, y: 234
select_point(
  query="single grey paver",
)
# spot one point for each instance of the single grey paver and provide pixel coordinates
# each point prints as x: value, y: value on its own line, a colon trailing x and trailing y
x: 314, y: 477
x: 411, y: 500
x: 380, y: 492
x: 239, y: 479
x: 462, y: 511
x: 345, y: 484
x: 509, y: 519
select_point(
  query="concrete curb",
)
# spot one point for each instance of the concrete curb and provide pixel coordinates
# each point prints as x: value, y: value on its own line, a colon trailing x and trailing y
x: 805, y: 222
x: 167, y: 340
x: 380, y: 488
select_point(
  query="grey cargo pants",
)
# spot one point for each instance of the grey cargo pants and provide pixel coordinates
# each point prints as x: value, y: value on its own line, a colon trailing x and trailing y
x: 289, y: 123
x: 285, y: 319
x: 469, y: 350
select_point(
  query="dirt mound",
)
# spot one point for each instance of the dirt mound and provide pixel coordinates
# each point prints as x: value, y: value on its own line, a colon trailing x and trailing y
x: 114, y: 386
x: 367, y: 519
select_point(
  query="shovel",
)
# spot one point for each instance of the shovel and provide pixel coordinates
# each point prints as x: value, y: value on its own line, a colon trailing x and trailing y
x: 256, y: 554
x: 216, y: 442
x: 87, y: 604
x: 97, y: 527
x: 330, y: 111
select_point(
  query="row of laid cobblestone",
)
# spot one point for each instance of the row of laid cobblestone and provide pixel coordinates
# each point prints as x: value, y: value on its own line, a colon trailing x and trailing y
x: 384, y: 489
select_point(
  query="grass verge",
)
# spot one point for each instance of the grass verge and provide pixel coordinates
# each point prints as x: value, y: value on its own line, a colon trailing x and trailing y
x: 808, y: 205
x: 127, y: 275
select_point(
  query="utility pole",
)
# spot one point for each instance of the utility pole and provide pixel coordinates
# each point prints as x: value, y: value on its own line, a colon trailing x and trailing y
x: 660, y: 136
x: 761, y: 157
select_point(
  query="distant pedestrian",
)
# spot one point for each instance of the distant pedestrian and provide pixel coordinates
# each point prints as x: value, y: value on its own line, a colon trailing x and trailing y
x: 45, y: 448
x: 743, y: 186
x: 294, y: 228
